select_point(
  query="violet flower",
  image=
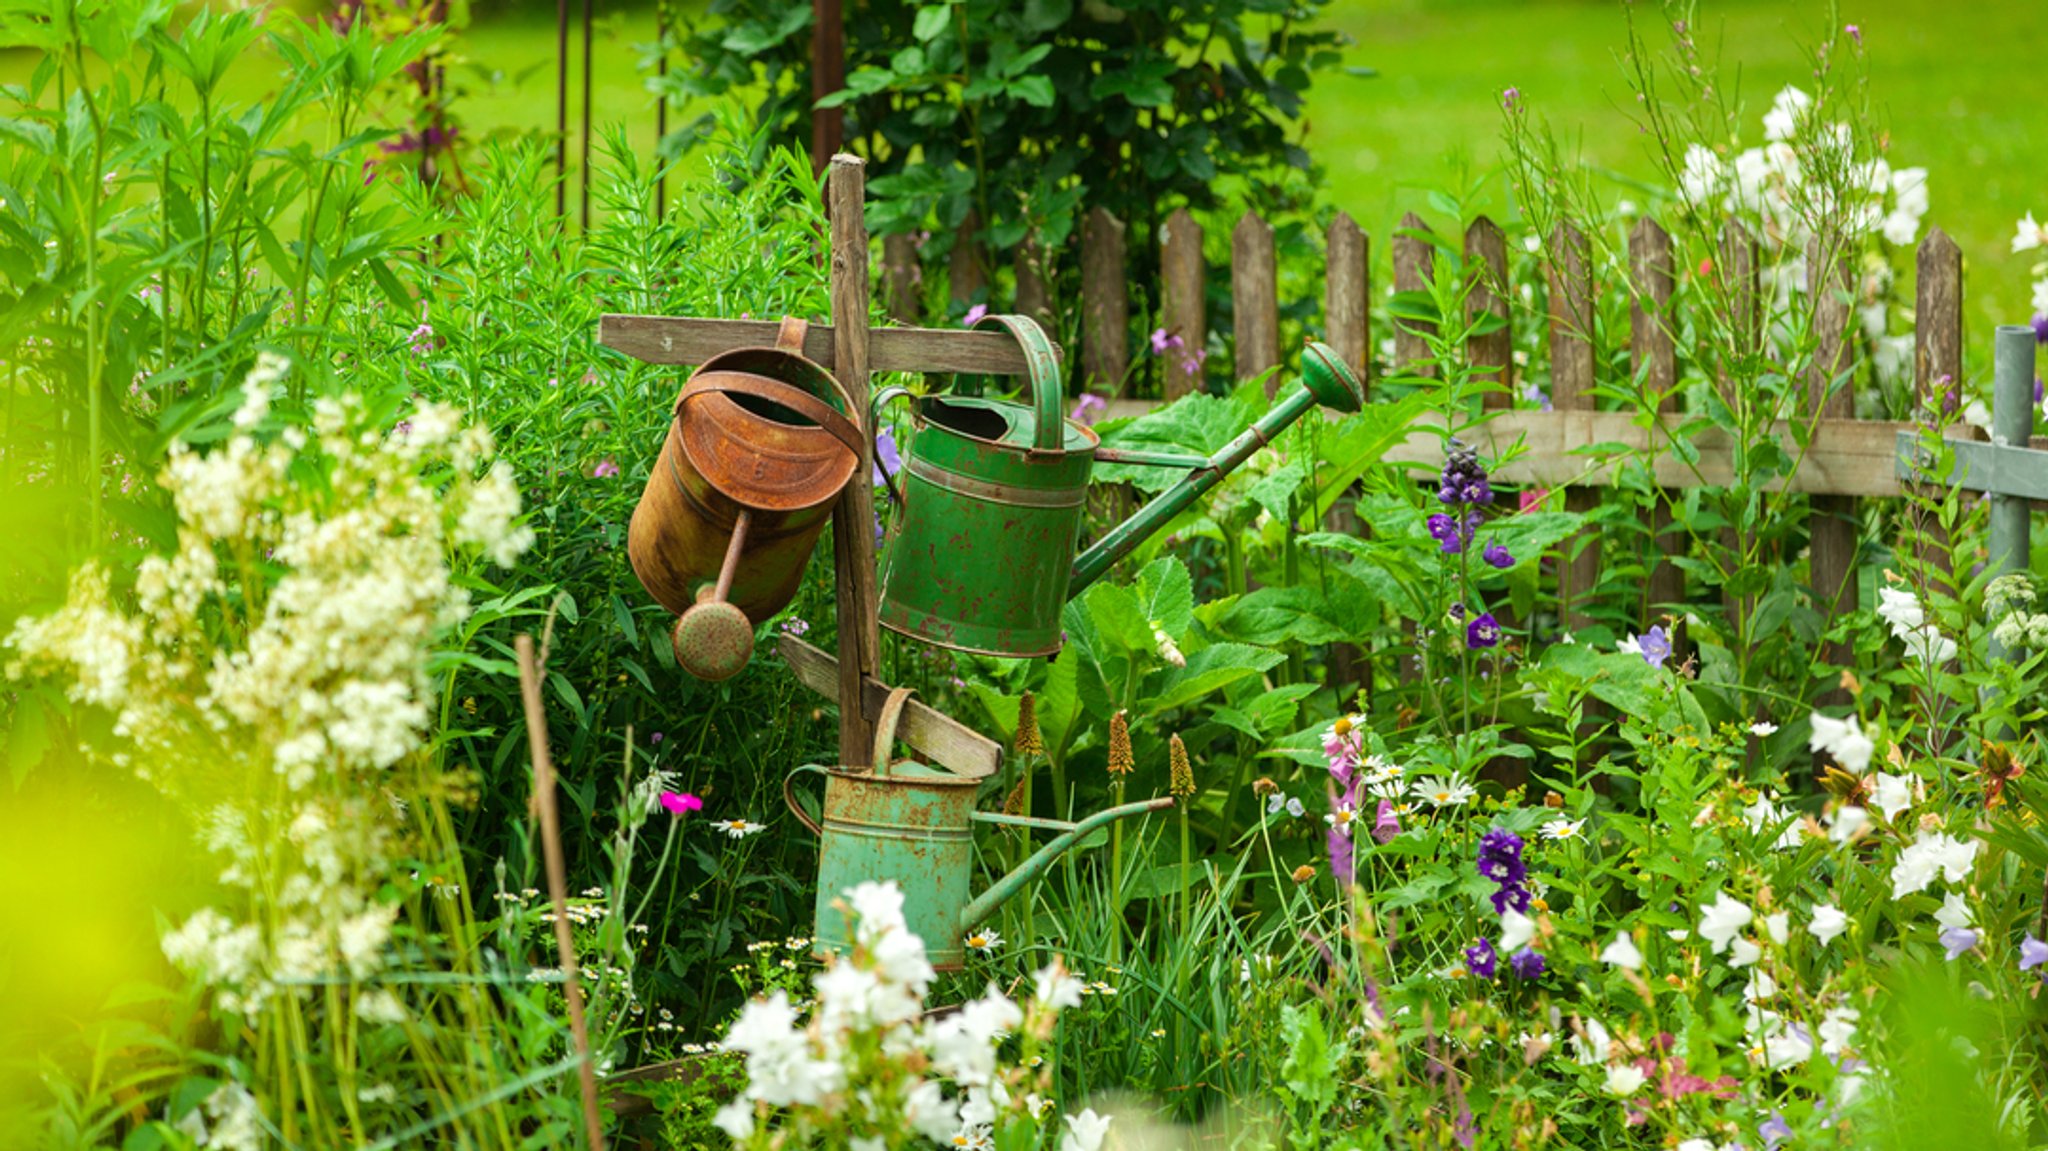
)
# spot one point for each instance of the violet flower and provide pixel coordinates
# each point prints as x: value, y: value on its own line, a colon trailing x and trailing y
x: 1482, y: 632
x: 1089, y: 409
x: 2033, y: 953
x: 1498, y: 556
x: 974, y: 315
x: 1774, y: 1131
x: 888, y: 460
x: 1958, y: 940
x: 2040, y: 336
x: 1481, y: 959
x: 1654, y: 646
x: 605, y: 469
x: 1388, y: 824
x: 1163, y: 342
x: 1527, y: 964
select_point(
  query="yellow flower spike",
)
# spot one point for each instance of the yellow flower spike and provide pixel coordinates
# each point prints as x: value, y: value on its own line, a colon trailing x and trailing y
x: 1304, y: 873
x: 1120, y: 759
x: 1182, y: 779
x: 1029, y: 742
x: 1013, y: 804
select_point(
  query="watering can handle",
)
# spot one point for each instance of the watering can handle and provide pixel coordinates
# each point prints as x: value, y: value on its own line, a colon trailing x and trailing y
x: 789, y: 796
x: 775, y: 392
x: 885, y: 727
x: 1042, y: 369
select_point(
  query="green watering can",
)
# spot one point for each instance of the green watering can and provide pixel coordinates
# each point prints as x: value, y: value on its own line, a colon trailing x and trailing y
x: 914, y: 823
x: 994, y: 493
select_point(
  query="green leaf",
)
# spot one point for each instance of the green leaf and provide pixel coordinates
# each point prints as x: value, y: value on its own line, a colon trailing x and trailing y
x: 1168, y: 595
x: 1033, y: 90
x: 1214, y: 667
x: 1119, y: 617
x: 931, y: 22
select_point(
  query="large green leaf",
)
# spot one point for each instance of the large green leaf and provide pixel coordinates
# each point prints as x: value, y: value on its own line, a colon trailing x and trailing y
x: 1168, y: 595
x: 1215, y: 666
x: 1270, y: 615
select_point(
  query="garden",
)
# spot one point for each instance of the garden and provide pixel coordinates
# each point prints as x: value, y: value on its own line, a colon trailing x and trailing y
x: 927, y: 575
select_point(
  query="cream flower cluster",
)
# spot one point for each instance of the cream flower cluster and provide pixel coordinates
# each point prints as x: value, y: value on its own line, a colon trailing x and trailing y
x: 271, y: 669
x: 869, y: 1070
x: 2027, y: 237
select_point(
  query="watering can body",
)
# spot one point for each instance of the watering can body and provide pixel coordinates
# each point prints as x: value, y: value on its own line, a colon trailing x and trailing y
x: 914, y: 823
x: 983, y: 554
x: 744, y: 485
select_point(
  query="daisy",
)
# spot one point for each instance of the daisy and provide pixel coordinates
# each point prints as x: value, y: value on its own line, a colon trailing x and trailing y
x: 985, y: 940
x: 1445, y: 791
x: 1563, y: 829
x: 739, y: 828
x: 1340, y: 820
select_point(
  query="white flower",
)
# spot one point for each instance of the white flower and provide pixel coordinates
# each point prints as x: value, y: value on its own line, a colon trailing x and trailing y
x: 1167, y: 650
x: 1954, y: 912
x: 2029, y: 235
x: 1778, y: 926
x: 1828, y: 922
x: 1763, y: 727
x: 735, y: 1119
x: 1932, y: 853
x: 1844, y: 740
x: 1563, y: 828
x: 963, y: 1044
x: 1787, y: 112
x: 1085, y: 1132
x: 877, y: 906
x: 985, y: 940
x: 1848, y: 823
x: 1760, y: 987
x: 929, y: 1111
x: 1744, y: 952
x: 1700, y: 181
x: 1592, y: 1048
x: 1055, y: 988
x: 1516, y: 930
x: 1836, y: 1030
x: 1295, y: 808
x: 1445, y: 791
x: 738, y: 828
x: 1622, y: 953
x: 1763, y: 815
x: 1624, y: 1079
x: 1722, y: 919
x: 1928, y: 644
x: 1340, y: 820
x: 1891, y: 794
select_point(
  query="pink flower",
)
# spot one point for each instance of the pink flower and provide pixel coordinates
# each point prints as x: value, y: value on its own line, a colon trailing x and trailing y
x: 1161, y: 341
x: 1532, y: 498
x: 604, y: 470
x: 679, y: 803
x: 974, y: 315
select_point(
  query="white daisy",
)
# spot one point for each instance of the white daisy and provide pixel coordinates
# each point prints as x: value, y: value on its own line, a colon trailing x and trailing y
x: 985, y: 940
x: 1444, y: 791
x: 1564, y: 829
x: 739, y: 828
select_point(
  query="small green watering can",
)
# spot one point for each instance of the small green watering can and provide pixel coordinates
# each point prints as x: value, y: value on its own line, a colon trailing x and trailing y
x: 994, y: 492
x: 915, y: 824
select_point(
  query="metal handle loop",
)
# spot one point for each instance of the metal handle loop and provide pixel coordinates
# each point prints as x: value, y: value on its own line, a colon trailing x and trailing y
x: 885, y: 727
x: 1042, y: 369
x: 789, y: 796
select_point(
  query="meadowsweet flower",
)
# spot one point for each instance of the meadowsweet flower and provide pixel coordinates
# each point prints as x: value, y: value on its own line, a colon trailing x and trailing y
x: 1957, y: 940
x: 1622, y: 953
x: 1721, y: 920
x: 1561, y: 829
x: 2033, y: 953
x: 1527, y: 964
x: 1482, y: 632
x: 1842, y: 739
x: 681, y: 803
x: 1481, y: 959
x: 1828, y: 921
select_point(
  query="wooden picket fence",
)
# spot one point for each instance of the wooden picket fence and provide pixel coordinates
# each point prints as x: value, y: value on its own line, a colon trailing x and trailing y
x: 1847, y: 459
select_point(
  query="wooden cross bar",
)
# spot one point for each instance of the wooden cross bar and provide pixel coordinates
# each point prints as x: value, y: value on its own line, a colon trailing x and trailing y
x: 850, y: 350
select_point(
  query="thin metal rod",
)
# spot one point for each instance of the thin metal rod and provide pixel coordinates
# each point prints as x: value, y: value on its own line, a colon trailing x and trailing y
x: 2012, y: 423
x: 584, y: 173
x: 561, y: 107
x: 1149, y: 459
x: 733, y: 549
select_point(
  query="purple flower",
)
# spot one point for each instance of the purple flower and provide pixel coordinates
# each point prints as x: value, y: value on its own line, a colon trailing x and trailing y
x: 1463, y: 481
x: 1774, y: 1131
x: 795, y: 626
x: 888, y: 460
x: 974, y: 315
x: 1342, y: 856
x: 1481, y: 960
x: 1513, y: 897
x: 1089, y: 408
x: 1958, y: 940
x: 1655, y: 646
x: 1527, y: 964
x: 1162, y: 342
x: 604, y: 470
x: 1445, y: 530
x: 657, y: 737
x: 2040, y: 336
x: 1855, y: 33
x: 1498, y: 556
x: 1535, y: 395
x: 2033, y: 953
x: 422, y: 339
x: 1482, y: 632
x: 1510, y: 98
x: 1388, y: 823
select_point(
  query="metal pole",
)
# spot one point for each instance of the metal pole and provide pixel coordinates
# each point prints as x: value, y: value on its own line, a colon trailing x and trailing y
x: 2012, y: 423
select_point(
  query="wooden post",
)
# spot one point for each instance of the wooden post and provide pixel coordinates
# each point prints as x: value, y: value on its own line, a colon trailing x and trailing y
x: 1033, y: 298
x: 1347, y: 295
x: 1491, y: 354
x: 900, y: 274
x: 583, y: 170
x: 1938, y: 356
x: 1182, y: 307
x: 1654, y: 359
x: 828, y: 75
x: 1832, y: 523
x: 853, y: 518
x: 1571, y: 365
x: 1105, y: 304
x: 561, y: 108
x: 965, y: 277
x: 1255, y: 296
x: 1414, y: 263
x: 1739, y: 277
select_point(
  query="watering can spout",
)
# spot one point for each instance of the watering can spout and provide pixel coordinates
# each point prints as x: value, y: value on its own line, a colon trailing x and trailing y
x: 986, y: 903
x: 1326, y: 380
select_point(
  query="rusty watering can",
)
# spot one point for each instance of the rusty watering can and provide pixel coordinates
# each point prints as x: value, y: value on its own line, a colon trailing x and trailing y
x: 745, y: 484
x: 993, y: 496
x: 914, y: 823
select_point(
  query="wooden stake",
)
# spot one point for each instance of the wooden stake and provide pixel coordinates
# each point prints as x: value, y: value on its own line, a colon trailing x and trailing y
x: 1182, y: 309
x: 1255, y: 296
x: 853, y: 520
x: 1491, y: 355
x: 1414, y: 263
x: 1571, y: 365
x: 1653, y: 356
x: 1105, y: 304
x: 1833, y: 522
x: 558, y: 883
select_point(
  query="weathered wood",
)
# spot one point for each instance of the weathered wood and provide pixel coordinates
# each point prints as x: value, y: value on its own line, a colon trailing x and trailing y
x: 966, y: 274
x: 900, y: 276
x: 681, y: 340
x: 1938, y: 318
x: 1414, y: 264
x: 828, y: 75
x: 1033, y: 298
x: 1571, y: 390
x: 1653, y: 356
x: 1347, y: 295
x: 1255, y: 299
x: 1491, y: 354
x: 1738, y: 268
x: 1833, y: 523
x: 944, y: 740
x: 1182, y: 309
x: 1105, y: 303
x: 853, y: 518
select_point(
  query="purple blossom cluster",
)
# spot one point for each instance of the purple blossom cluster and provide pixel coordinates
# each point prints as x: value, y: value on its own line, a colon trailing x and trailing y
x: 1500, y: 860
x: 1463, y: 489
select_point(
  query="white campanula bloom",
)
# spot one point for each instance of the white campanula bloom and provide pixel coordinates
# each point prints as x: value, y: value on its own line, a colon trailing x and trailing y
x: 1516, y: 930
x: 963, y: 1044
x: 1932, y: 853
x: 1056, y: 989
x: 1891, y: 794
x: 1763, y: 816
x: 2029, y: 235
x: 1591, y: 1042
x: 1828, y: 921
x: 1848, y: 823
x: 1837, y: 1029
x: 736, y: 1119
x: 1624, y: 1079
x: 1622, y: 953
x: 1086, y: 1131
x: 1722, y: 919
x: 930, y: 1113
x: 1743, y: 951
x: 1778, y: 926
x: 1953, y: 912
x: 1701, y: 179
x: 1788, y: 111
x: 1844, y: 740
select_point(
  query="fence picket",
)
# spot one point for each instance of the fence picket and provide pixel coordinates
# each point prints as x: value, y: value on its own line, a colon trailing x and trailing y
x: 1255, y: 299
x: 1492, y: 354
x: 1347, y: 294
x: 1833, y: 522
x: 1938, y: 353
x: 1653, y: 357
x: 1182, y: 306
x: 1571, y: 390
x: 1739, y: 276
x: 965, y: 276
x: 899, y: 277
x: 1032, y: 297
x: 1105, y: 303
x: 1414, y: 263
